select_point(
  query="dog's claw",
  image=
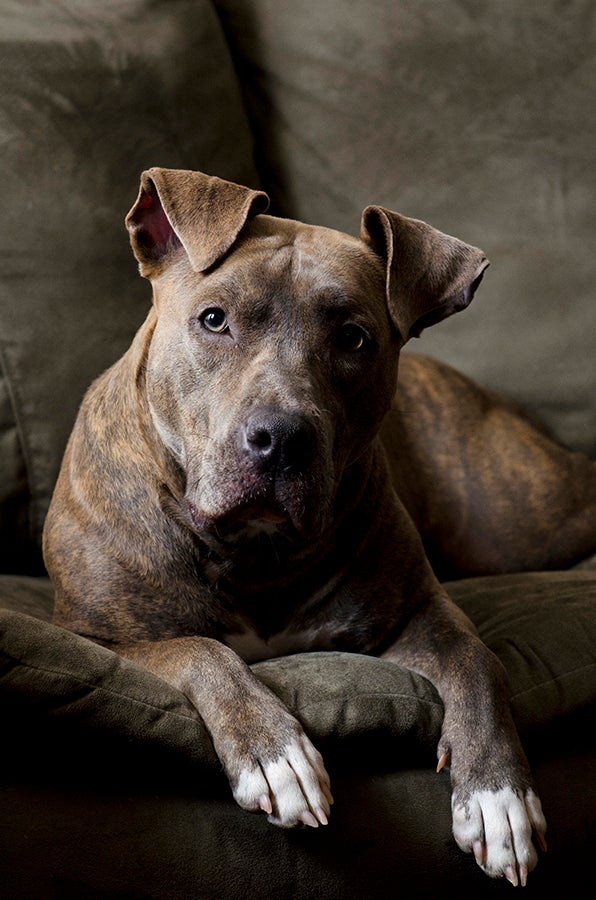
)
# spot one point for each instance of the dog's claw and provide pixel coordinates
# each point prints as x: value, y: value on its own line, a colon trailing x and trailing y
x: 523, y: 875
x: 321, y: 816
x: 443, y: 761
x: 511, y: 876
x: 327, y: 793
x: 308, y: 819
x: 479, y: 849
x: 265, y: 803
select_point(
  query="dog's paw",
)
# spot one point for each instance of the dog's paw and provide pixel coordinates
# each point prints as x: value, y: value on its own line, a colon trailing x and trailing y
x: 497, y: 827
x: 292, y: 788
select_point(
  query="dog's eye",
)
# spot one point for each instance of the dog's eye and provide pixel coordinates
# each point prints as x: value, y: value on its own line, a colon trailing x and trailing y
x: 214, y: 319
x: 351, y: 338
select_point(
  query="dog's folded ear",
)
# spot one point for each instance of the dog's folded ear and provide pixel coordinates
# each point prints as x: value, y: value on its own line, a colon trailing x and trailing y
x: 178, y: 208
x: 430, y: 275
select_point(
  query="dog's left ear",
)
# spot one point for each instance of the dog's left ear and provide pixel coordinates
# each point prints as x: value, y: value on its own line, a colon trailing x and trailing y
x: 430, y: 275
x: 201, y: 213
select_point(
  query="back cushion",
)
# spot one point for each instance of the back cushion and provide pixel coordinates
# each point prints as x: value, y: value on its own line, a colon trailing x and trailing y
x: 91, y: 93
x: 475, y: 117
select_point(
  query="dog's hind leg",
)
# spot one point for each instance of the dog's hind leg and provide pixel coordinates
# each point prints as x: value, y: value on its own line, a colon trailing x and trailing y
x: 488, y: 490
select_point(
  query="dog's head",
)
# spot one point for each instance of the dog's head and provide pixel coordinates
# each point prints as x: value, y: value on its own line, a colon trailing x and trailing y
x: 274, y: 355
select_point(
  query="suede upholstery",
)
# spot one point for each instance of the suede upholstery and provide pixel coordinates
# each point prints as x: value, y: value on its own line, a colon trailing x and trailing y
x: 92, y: 94
x: 473, y: 117
x: 477, y: 118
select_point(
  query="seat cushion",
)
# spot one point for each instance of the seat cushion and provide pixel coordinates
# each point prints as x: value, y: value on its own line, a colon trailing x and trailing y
x: 541, y: 626
x: 111, y: 782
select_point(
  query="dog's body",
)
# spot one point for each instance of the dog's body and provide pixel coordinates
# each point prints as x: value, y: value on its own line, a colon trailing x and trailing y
x: 225, y: 492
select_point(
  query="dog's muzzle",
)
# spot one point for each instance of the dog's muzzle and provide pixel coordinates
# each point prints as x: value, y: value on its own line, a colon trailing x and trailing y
x: 270, y: 483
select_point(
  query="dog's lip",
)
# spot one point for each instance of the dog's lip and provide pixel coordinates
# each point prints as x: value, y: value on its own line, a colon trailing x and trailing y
x: 239, y: 517
x: 269, y: 512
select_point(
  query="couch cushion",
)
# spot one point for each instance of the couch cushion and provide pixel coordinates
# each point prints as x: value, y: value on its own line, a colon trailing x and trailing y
x: 472, y: 118
x: 90, y: 94
x: 16, y: 544
x: 541, y: 626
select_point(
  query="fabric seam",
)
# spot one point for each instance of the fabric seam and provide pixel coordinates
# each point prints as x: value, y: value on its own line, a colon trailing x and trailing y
x: 13, y: 398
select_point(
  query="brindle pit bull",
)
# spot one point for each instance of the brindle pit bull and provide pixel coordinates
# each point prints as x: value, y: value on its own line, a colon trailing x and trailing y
x: 225, y: 496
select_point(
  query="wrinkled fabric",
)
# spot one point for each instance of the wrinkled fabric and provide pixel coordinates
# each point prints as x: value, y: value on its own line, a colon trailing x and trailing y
x: 112, y: 788
x: 542, y: 626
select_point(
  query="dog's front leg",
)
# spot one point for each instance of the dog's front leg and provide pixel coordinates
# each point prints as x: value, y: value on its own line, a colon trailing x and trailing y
x: 495, y: 810
x: 270, y: 762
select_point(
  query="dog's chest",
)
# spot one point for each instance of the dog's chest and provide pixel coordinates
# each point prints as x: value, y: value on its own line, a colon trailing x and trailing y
x: 252, y: 647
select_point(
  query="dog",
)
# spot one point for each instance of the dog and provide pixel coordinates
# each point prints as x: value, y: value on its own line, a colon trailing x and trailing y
x: 246, y: 482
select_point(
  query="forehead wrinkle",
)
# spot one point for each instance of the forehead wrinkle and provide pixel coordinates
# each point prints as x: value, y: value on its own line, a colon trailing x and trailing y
x: 332, y: 290
x: 292, y: 269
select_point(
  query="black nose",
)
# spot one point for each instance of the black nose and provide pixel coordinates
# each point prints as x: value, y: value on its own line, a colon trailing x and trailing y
x: 275, y: 438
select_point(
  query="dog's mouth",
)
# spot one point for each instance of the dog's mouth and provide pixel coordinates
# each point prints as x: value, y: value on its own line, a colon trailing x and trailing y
x: 249, y: 518
x: 232, y: 498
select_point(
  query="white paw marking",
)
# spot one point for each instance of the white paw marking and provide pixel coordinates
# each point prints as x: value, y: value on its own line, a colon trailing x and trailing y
x: 293, y: 789
x: 497, y: 827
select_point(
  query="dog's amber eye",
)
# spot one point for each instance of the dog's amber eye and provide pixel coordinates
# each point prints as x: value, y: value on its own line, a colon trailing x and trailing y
x: 214, y: 319
x: 351, y: 338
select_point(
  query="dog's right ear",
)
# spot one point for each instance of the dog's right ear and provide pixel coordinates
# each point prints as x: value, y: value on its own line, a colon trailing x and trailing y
x: 179, y: 208
x: 429, y: 275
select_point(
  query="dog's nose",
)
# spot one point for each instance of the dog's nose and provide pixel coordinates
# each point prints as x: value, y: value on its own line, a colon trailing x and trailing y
x: 275, y: 438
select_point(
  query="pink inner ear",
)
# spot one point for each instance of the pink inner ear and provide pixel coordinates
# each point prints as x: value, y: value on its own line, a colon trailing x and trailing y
x: 153, y: 231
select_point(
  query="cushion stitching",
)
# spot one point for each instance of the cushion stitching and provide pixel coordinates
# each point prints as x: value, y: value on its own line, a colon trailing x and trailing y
x: 16, y: 402
x: 401, y: 695
x: 384, y: 694
x: 101, y: 687
x: 308, y: 704
x: 556, y: 678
